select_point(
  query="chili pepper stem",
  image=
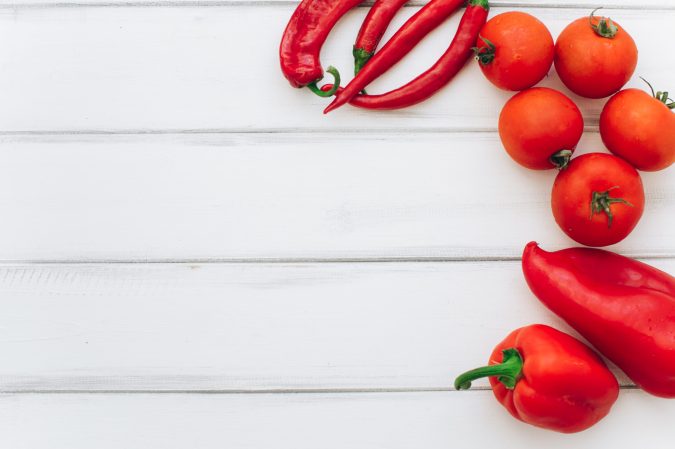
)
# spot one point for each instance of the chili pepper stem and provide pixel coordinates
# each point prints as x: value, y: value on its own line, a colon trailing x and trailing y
x: 605, y: 27
x: 601, y: 202
x: 328, y: 93
x: 361, y: 56
x: 561, y: 159
x: 508, y: 372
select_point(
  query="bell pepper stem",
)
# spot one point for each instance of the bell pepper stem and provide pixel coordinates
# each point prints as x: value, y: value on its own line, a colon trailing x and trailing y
x: 327, y: 93
x: 508, y: 372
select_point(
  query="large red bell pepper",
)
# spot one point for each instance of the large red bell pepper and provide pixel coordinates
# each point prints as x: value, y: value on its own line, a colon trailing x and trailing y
x: 623, y: 307
x: 548, y: 379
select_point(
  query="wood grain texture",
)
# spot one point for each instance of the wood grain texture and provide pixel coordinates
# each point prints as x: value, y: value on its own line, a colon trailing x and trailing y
x: 187, y: 68
x: 334, y: 421
x: 287, y: 196
x: 258, y: 327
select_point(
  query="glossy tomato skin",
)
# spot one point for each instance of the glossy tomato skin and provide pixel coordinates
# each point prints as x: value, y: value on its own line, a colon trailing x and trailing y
x: 523, y: 50
x: 591, y: 65
x: 537, y: 123
x: 640, y: 129
x: 573, y: 191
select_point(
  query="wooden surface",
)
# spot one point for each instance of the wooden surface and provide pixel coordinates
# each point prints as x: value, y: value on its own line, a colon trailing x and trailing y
x: 193, y: 256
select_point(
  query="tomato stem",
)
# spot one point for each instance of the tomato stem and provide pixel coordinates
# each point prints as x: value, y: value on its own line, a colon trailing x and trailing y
x: 328, y: 93
x: 508, y: 372
x: 650, y: 86
x: 601, y: 202
x: 663, y: 97
x: 561, y: 159
x: 485, y: 54
x: 605, y: 27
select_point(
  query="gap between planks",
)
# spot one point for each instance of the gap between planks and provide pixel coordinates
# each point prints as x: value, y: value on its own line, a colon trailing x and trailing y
x: 268, y: 391
x: 14, y: 4
x: 292, y: 260
x: 592, y: 128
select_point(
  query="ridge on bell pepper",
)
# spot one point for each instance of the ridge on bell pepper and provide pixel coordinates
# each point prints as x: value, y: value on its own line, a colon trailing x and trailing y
x: 548, y: 379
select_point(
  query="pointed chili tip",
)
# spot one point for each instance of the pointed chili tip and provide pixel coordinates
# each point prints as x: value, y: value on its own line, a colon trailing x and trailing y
x: 332, y: 106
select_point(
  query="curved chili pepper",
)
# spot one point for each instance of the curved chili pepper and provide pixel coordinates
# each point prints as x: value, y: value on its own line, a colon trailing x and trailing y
x: 623, y: 307
x: 303, y: 38
x: 426, y: 19
x: 549, y: 379
x: 429, y: 82
x: 374, y: 25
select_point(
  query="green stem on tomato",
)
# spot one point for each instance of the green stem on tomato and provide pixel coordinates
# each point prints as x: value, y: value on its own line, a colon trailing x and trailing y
x: 663, y: 97
x: 508, y: 372
x: 485, y: 54
x: 605, y: 27
x: 601, y: 202
x: 561, y: 159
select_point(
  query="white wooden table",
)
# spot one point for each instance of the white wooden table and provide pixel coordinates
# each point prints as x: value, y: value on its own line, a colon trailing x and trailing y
x: 193, y: 256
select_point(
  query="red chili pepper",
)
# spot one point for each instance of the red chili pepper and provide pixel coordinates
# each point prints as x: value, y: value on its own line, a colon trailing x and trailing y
x: 303, y: 38
x: 404, y: 40
x: 625, y: 308
x: 426, y: 84
x: 374, y: 25
x: 548, y: 379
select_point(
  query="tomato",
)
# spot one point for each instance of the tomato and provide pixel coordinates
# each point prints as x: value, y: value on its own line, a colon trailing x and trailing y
x: 540, y: 128
x: 595, y: 57
x: 598, y: 199
x: 640, y: 128
x: 514, y: 50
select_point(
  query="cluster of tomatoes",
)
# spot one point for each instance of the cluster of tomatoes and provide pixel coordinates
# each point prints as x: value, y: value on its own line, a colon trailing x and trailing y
x: 597, y: 198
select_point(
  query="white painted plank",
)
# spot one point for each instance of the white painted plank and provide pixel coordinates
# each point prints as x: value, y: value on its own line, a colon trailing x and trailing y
x: 340, y: 326
x: 217, y: 68
x: 614, y: 4
x: 226, y: 196
x: 335, y: 421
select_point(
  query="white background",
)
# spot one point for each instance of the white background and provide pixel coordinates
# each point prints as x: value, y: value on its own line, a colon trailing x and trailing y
x: 193, y: 256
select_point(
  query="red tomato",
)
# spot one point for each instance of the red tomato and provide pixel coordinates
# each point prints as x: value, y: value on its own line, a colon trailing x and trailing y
x: 598, y: 199
x: 639, y: 128
x: 595, y: 57
x: 515, y: 50
x: 540, y: 128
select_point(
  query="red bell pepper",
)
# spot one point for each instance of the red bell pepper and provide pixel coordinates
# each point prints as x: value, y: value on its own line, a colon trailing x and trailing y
x: 623, y: 307
x: 549, y: 379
